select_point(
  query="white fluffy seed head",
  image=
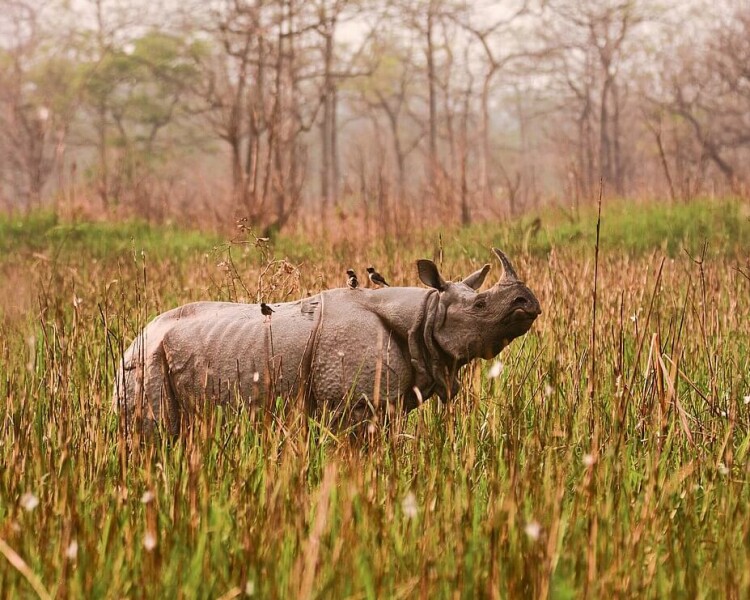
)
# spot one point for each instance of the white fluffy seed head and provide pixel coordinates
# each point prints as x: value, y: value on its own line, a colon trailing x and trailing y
x: 533, y: 530
x: 149, y: 541
x: 29, y: 501
x: 409, y: 506
x: 71, y: 552
x: 495, y: 369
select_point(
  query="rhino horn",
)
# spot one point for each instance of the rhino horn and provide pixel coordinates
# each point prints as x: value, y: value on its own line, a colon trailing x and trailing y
x: 509, y: 273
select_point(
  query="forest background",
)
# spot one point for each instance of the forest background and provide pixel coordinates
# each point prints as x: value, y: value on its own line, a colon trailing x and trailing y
x: 395, y: 113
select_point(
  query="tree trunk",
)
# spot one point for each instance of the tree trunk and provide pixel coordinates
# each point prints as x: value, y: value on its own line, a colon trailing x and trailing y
x: 431, y: 87
x: 605, y: 162
x: 325, y: 126
x: 253, y: 135
x: 465, y: 210
x: 102, y: 151
x: 328, y: 125
x: 484, y: 162
x: 335, y: 165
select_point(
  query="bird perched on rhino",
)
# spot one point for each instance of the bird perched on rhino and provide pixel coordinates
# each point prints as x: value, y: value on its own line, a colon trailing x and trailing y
x: 376, y: 278
x: 266, y: 311
x: 351, y: 279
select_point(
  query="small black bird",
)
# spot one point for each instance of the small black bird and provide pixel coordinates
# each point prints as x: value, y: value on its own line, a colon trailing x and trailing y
x: 351, y: 280
x: 266, y: 310
x: 376, y: 278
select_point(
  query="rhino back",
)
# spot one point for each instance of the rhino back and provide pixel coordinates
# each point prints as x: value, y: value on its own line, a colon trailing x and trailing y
x: 214, y: 350
x: 228, y: 352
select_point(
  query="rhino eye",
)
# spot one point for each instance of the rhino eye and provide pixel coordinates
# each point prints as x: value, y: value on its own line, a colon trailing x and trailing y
x: 480, y: 303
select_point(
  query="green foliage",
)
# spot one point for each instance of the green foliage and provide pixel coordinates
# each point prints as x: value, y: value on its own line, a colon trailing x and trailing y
x: 141, y: 89
x: 44, y: 231
x: 672, y: 228
x: 55, y: 86
x: 626, y: 227
x: 388, y: 61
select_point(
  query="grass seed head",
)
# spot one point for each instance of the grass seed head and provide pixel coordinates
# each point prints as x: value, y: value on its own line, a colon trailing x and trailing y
x: 495, y: 370
x: 29, y: 501
x: 71, y: 552
x: 533, y: 530
x: 409, y: 506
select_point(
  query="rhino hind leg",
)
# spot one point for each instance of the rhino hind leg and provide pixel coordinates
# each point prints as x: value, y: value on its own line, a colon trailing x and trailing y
x: 144, y: 397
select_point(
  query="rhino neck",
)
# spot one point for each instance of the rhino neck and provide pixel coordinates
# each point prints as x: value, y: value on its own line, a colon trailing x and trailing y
x: 438, y: 366
x: 413, y: 314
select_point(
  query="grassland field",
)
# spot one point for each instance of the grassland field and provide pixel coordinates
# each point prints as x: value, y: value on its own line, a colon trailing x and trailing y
x: 610, y: 457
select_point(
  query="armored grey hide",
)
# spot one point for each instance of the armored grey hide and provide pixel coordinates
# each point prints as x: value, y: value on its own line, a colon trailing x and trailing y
x: 353, y: 352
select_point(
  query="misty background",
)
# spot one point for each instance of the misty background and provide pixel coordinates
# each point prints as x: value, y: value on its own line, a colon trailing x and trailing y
x: 395, y: 113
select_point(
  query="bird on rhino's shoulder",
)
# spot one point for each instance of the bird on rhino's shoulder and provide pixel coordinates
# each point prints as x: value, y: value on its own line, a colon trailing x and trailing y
x: 351, y: 279
x: 376, y: 278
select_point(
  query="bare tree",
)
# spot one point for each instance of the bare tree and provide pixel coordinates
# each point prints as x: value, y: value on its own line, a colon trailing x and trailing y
x: 592, y: 37
x: 257, y: 97
x: 710, y: 90
x: 338, y: 67
x: 35, y: 103
x: 425, y: 18
x: 389, y: 92
x: 500, y: 46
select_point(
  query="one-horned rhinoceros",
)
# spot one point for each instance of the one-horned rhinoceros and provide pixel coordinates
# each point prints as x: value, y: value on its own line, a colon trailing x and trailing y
x: 350, y: 352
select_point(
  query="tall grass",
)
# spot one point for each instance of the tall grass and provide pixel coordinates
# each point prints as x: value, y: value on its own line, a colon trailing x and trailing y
x: 521, y: 487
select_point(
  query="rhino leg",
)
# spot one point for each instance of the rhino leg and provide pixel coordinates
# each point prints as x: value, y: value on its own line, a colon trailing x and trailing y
x: 143, y: 394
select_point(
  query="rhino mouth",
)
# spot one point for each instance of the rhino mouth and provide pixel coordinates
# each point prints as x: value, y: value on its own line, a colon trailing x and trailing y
x: 519, y: 325
x: 520, y: 317
x: 516, y: 324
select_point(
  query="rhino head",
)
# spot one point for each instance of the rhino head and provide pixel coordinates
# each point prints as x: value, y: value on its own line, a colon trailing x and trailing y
x: 471, y: 324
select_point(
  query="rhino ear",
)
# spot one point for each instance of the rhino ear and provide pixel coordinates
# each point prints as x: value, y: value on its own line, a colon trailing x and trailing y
x: 476, y: 279
x: 429, y: 274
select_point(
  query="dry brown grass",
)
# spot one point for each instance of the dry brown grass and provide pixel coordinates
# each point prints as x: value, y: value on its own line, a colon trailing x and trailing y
x: 525, y: 486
